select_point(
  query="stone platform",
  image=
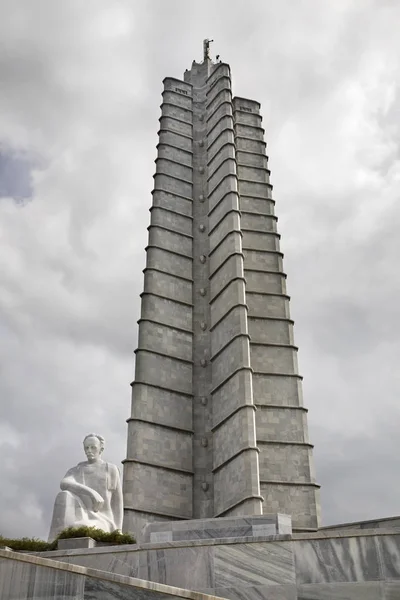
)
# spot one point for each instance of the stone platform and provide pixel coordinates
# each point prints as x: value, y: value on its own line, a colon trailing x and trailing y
x: 228, y: 527
x: 343, y: 565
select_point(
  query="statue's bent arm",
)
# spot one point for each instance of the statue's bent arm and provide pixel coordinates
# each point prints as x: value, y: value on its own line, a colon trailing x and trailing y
x: 70, y: 484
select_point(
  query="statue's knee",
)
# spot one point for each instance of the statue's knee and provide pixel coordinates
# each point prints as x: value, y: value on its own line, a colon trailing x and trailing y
x: 63, y: 498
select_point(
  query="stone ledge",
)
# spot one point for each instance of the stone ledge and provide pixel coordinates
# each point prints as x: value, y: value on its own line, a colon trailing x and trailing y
x: 75, y: 543
x: 217, y: 528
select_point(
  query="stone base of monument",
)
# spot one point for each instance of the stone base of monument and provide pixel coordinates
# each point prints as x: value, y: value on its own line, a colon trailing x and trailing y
x: 226, y: 527
x: 72, y: 543
x: 325, y: 565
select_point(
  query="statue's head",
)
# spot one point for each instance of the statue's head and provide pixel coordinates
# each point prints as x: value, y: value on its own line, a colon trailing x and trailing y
x: 93, y: 444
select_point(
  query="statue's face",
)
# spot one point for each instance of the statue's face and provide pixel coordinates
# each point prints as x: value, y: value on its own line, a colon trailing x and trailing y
x: 92, y: 448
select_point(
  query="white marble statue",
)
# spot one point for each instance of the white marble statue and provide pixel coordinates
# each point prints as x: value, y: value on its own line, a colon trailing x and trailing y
x: 91, y: 493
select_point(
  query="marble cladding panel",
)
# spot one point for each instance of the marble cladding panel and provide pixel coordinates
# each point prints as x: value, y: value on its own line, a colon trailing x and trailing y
x: 223, y: 527
x: 165, y: 566
x: 221, y: 110
x: 232, y: 295
x: 264, y: 282
x: 226, y: 217
x: 340, y: 560
x: 248, y: 159
x: 226, y: 151
x: 256, y: 592
x: 227, y: 167
x: 172, y: 185
x: 265, y: 305
x: 172, y: 97
x: 176, y: 126
x: 284, y: 462
x: 251, y: 188
x: 250, y: 145
x: 225, y: 95
x: 258, y: 222
x: 242, y: 565
x: 234, y: 434
x: 172, y: 109
x: 225, y: 122
x: 264, y: 261
x: 161, y: 446
x: 164, y: 338
x: 170, y: 201
x: 224, y: 84
x: 264, y: 206
x: 171, y: 220
x: 226, y: 186
x: 234, y: 392
x: 299, y: 501
x: 176, y: 85
x: 273, y: 359
x: 225, y: 204
x: 169, y: 167
x: 177, y: 154
x: 255, y: 133
x: 219, y: 70
x: 251, y: 119
x: 253, y: 173
x: 246, y: 103
x: 174, y: 264
x: 391, y: 590
x: 163, y: 371
x: 229, y: 246
x: 100, y: 589
x: 219, y: 145
x: 24, y: 581
x: 235, y: 481
x: 373, y: 590
x: 270, y: 331
x: 281, y: 424
x: 151, y: 488
x: 170, y: 240
x: 174, y: 139
x: 232, y: 357
x: 164, y: 284
x: 135, y: 522
x: 167, y: 311
x: 256, y: 240
x: 280, y: 390
x: 234, y: 323
x: 161, y: 406
x: 389, y: 553
x: 231, y: 269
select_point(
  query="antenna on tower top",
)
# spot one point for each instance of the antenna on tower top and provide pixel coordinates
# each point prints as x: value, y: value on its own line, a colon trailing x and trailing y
x: 206, y: 49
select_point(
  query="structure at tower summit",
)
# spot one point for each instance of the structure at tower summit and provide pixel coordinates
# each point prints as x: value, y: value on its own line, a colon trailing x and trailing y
x: 218, y: 427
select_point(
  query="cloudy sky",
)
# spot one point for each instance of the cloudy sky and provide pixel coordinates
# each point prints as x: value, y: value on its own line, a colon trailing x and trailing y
x: 80, y: 89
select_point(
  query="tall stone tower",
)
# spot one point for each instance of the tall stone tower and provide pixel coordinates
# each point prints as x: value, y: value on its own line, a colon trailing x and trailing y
x: 218, y: 426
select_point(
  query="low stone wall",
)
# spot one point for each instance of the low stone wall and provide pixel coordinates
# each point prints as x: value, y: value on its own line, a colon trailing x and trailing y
x: 27, y: 577
x: 347, y: 565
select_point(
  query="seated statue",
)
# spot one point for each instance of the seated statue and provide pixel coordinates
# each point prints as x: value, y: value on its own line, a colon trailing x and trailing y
x: 91, y: 493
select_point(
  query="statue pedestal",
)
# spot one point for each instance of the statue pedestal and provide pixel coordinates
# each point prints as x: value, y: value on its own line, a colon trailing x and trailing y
x: 76, y: 543
x: 225, y: 527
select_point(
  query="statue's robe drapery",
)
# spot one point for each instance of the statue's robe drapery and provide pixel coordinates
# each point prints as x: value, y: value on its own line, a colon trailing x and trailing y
x: 74, y: 508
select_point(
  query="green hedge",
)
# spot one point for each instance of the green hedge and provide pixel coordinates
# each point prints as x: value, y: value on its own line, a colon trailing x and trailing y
x: 35, y: 545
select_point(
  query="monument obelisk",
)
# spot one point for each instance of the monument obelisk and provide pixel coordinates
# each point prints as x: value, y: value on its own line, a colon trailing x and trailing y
x: 218, y: 427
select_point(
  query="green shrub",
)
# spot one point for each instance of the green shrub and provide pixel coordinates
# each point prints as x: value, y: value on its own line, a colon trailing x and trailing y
x: 35, y: 545
x: 115, y: 537
x: 28, y: 544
